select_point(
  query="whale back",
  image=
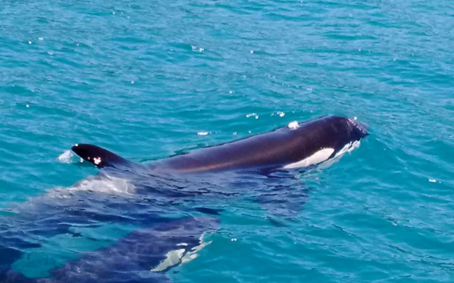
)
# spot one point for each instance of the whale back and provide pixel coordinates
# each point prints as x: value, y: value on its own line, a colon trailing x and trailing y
x: 310, y: 143
x: 297, y: 145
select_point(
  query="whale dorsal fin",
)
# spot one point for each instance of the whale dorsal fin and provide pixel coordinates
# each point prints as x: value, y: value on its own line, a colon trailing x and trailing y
x: 99, y: 156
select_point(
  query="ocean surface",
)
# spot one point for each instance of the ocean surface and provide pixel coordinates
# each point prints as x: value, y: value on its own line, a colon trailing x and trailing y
x: 150, y: 79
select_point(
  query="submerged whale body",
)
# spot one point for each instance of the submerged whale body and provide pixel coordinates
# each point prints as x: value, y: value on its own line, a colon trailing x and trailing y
x: 296, y: 145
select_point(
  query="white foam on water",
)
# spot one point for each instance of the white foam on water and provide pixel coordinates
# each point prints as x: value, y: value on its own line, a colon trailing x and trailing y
x: 293, y: 125
x: 100, y: 184
x: 196, y: 48
x: 202, y: 133
x: 255, y: 115
x: 66, y: 157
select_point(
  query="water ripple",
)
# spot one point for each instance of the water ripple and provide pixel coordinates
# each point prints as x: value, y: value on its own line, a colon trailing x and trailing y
x: 142, y: 79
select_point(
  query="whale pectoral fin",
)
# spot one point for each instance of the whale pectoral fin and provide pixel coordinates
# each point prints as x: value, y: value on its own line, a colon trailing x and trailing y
x: 286, y: 204
x: 100, y: 157
x: 280, y: 199
x: 282, y: 194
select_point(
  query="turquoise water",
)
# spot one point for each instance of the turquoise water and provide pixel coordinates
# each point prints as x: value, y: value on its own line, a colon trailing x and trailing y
x: 144, y: 78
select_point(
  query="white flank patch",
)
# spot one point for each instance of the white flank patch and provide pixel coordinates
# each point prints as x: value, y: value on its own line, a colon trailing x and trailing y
x: 172, y: 258
x: 193, y: 253
x: 179, y: 256
x: 347, y: 148
x: 316, y: 158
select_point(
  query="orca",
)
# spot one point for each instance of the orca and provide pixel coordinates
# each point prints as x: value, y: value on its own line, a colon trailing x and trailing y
x: 297, y: 145
x: 164, y: 235
x: 143, y: 256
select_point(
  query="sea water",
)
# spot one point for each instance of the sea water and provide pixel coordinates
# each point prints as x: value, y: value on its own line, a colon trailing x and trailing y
x: 149, y: 79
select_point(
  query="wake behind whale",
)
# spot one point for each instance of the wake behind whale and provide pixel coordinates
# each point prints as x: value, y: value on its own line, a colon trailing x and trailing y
x: 167, y: 201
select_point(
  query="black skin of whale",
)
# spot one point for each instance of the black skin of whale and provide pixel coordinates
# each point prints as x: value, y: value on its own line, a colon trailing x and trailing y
x: 270, y: 150
x: 131, y: 258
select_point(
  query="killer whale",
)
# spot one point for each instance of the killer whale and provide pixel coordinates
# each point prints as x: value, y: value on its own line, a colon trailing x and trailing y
x: 143, y: 256
x: 296, y: 145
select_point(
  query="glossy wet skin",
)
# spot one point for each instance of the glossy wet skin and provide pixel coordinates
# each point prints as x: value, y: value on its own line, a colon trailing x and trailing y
x: 274, y: 149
